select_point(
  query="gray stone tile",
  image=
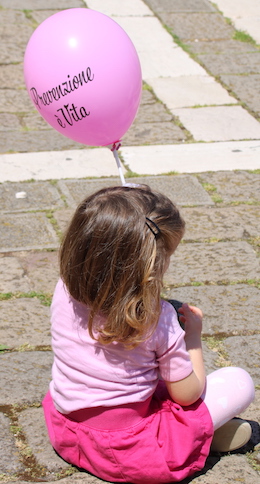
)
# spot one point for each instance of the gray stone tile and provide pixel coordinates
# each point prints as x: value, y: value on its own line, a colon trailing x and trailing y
x: 33, y: 424
x: 181, y: 189
x: 9, y: 462
x: 13, y: 277
x: 81, y: 477
x: 244, y: 352
x: 253, y: 411
x: 41, y: 269
x: 19, y: 34
x: 153, y: 124
x: 24, y: 322
x: 226, y: 469
x: 238, y: 222
x: 228, y: 46
x: 40, y: 15
x: 180, y: 6
x: 29, y: 271
x: 11, y: 76
x: 212, y: 263
x: 37, y: 196
x: 226, y: 309
x: 234, y: 186
x: 209, y: 358
x: 10, y: 16
x: 26, y: 231
x: 231, y: 63
x: 25, y: 377
x: 9, y: 122
x: 34, y: 122
x: 10, y: 52
x: 63, y: 218
x: 13, y: 101
x: 35, y: 141
x: 147, y: 98
x: 153, y: 113
x: 42, y: 4
x: 153, y: 134
x: 246, y: 88
x: 200, y: 26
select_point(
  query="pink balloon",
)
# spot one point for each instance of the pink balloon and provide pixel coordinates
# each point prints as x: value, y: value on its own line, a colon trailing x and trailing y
x: 83, y: 75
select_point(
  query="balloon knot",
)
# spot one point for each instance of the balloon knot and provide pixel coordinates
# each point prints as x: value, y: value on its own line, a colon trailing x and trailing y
x: 116, y: 146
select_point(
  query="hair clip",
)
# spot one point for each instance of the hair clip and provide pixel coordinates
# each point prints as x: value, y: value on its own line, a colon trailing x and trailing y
x: 153, y: 227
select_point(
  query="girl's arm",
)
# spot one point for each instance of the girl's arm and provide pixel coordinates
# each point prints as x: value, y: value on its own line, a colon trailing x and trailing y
x: 188, y: 390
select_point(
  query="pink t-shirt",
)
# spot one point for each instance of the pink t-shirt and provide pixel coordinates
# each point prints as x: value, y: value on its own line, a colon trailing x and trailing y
x: 88, y: 374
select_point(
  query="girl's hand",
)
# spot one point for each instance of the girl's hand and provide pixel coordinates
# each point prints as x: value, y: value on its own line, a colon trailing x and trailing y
x: 191, y: 317
x: 188, y: 390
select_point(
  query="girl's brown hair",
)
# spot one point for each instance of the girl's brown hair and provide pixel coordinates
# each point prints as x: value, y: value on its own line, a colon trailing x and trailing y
x: 111, y: 260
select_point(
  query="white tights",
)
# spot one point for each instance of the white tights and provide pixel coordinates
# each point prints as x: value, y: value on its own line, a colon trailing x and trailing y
x: 229, y: 391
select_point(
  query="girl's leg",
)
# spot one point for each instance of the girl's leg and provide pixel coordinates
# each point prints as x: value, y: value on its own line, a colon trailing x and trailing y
x: 229, y: 391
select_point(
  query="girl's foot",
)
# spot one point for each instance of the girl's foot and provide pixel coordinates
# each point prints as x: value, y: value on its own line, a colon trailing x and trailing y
x: 231, y: 436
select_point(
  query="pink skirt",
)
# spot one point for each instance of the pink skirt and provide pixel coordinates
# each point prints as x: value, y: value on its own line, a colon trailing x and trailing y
x: 151, y: 442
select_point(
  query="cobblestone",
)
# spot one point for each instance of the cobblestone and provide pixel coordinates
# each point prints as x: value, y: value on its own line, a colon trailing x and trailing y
x: 25, y: 377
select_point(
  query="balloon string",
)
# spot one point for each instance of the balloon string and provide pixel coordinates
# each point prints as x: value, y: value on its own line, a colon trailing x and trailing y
x: 119, y: 166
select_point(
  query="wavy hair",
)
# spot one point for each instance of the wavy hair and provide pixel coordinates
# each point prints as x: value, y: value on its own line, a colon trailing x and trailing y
x: 111, y: 260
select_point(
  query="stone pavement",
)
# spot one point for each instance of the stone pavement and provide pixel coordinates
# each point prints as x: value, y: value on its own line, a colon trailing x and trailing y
x: 209, y: 95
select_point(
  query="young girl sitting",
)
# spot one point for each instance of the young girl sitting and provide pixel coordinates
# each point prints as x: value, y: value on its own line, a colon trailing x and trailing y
x: 129, y: 400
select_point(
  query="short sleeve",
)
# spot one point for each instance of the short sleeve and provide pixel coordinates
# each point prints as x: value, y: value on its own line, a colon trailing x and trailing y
x: 172, y: 356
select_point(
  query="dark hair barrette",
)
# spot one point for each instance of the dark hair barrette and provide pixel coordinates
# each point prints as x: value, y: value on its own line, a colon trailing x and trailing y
x: 153, y: 227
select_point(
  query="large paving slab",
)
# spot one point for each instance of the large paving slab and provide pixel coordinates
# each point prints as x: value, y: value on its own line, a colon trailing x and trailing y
x: 119, y: 8
x: 180, y: 6
x: 11, y: 51
x: 244, y: 351
x: 40, y: 15
x: 220, y: 46
x: 26, y: 231
x: 219, y: 123
x: 9, y: 462
x: 8, y: 122
x: 41, y: 268
x: 97, y: 162
x: 63, y: 218
x: 23, y: 141
x: 225, y: 308
x: 232, y: 63
x: 253, y: 411
x: 249, y: 24
x: 225, y: 469
x: 21, y: 197
x: 41, y: 4
x: 27, y: 271
x: 181, y: 189
x: 79, y: 477
x: 33, y: 426
x: 213, y: 262
x: 239, y: 186
x: 15, y: 34
x: 159, y: 55
x: 153, y: 124
x: 13, y: 101
x: 244, y: 14
x: 25, y: 377
x: 245, y: 91
x: 189, y: 91
x: 199, y: 26
x: 24, y: 322
x: 238, y: 222
x: 13, y: 277
x: 192, y: 158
